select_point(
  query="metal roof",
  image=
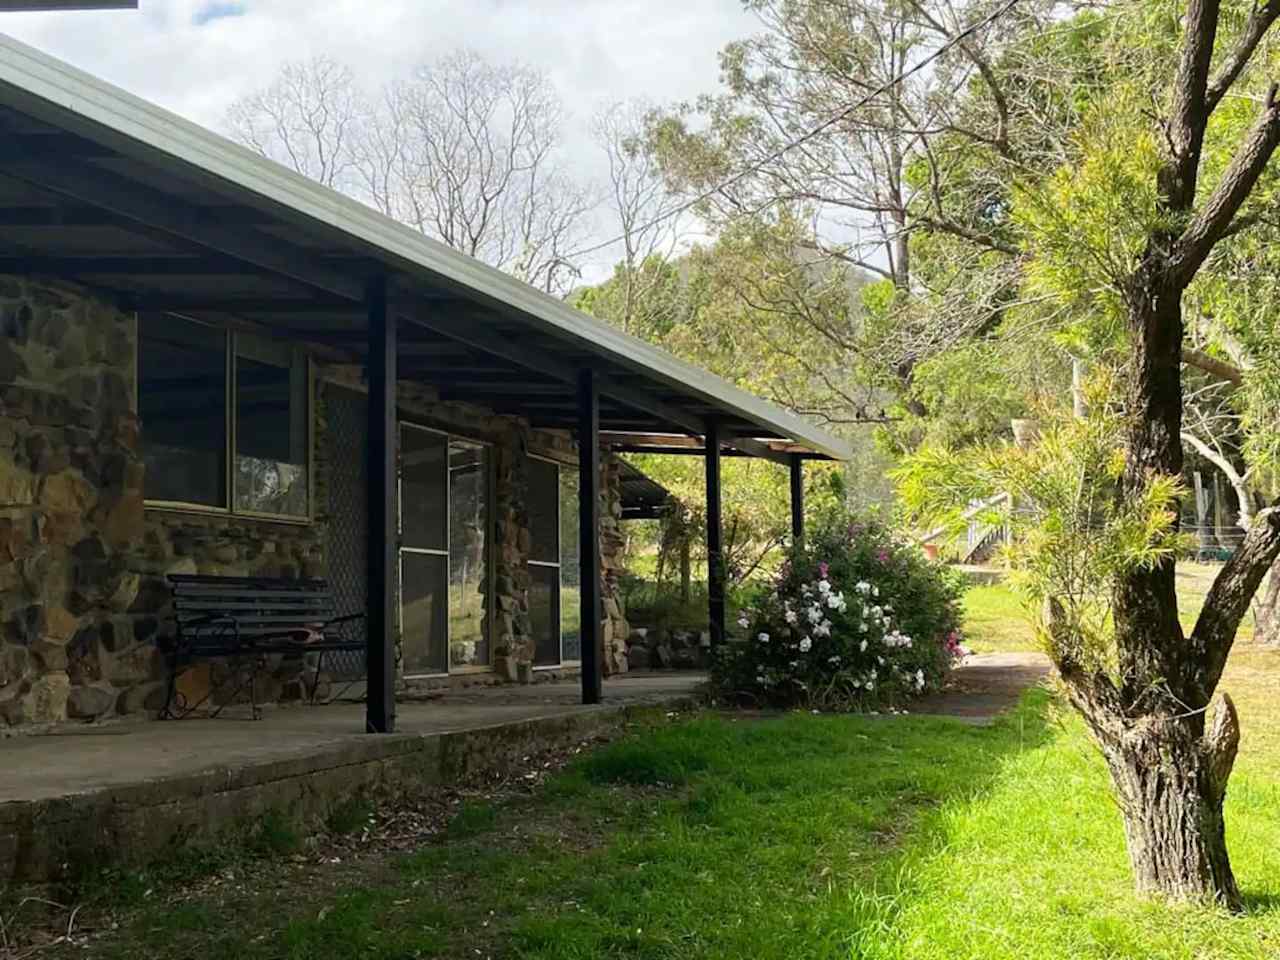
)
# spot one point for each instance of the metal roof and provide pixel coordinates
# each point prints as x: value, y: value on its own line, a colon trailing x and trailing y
x: 643, y: 498
x: 105, y: 189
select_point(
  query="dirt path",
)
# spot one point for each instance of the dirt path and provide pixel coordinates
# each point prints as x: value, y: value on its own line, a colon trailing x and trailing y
x: 985, y: 685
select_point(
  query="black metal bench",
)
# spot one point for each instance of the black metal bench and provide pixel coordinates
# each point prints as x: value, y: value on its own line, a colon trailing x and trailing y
x: 247, y: 619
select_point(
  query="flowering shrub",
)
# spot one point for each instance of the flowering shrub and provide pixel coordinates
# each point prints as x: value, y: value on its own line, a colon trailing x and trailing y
x: 854, y: 620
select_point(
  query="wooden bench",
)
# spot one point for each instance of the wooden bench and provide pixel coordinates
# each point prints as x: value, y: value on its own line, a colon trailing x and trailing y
x: 247, y: 619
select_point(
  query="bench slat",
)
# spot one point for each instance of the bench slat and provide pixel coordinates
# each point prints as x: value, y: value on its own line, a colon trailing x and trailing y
x: 227, y: 593
x: 319, y: 603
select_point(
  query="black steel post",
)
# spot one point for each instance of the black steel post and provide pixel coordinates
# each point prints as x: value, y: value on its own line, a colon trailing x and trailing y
x: 589, y: 533
x: 797, y: 498
x: 715, y: 549
x: 382, y: 491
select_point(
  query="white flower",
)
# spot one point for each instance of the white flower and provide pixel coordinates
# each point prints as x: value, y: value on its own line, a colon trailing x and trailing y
x: 824, y: 586
x: 833, y: 660
x: 743, y: 622
x: 862, y: 587
x: 863, y: 626
x: 862, y: 647
x: 806, y: 589
x: 835, y: 601
x: 870, y: 684
x: 790, y: 616
x: 815, y: 614
x: 763, y: 638
x: 888, y: 609
x: 760, y: 678
x: 822, y: 629
x: 875, y: 591
x: 919, y: 679
x: 876, y: 611
x: 897, y: 639
x: 805, y: 644
x: 880, y: 660
x: 794, y: 664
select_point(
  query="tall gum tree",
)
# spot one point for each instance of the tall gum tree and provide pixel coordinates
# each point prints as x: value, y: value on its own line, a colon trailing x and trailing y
x: 1170, y: 766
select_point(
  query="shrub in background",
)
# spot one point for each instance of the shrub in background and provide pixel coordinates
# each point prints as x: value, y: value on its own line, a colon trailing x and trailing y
x: 855, y: 620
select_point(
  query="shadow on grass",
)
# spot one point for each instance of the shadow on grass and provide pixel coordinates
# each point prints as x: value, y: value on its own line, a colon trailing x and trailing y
x: 782, y: 838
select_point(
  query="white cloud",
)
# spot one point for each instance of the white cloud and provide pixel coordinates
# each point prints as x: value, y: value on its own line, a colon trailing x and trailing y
x: 169, y: 52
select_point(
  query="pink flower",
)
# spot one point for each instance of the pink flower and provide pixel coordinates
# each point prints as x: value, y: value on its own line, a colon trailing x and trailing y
x: 823, y: 569
x: 883, y: 556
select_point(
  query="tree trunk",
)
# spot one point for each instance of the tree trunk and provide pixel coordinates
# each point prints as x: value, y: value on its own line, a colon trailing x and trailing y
x: 1267, y: 627
x: 1170, y: 775
x: 1171, y: 778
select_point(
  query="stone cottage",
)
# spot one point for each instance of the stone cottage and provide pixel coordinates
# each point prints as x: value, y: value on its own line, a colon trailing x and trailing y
x: 209, y: 364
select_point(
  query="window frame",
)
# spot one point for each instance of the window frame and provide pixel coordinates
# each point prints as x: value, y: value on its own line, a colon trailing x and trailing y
x: 490, y: 486
x: 559, y: 566
x: 229, y: 457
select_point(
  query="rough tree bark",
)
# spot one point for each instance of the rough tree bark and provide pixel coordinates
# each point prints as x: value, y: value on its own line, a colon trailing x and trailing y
x: 1267, y: 614
x: 1169, y: 768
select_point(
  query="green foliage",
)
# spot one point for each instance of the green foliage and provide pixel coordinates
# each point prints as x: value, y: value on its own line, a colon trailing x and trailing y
x: 756, y: 499
x: 660, y: 605
x: 1072, y: 534
x: 349, y: 816
x: 275, y: 834
x: 855, y: 620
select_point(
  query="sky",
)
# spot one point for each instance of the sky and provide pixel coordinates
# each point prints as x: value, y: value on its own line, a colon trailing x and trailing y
x: 196, y: 56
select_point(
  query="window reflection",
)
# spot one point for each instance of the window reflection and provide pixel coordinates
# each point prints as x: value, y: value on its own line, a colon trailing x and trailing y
x: 182, y: 403
x: 271, y: 427
x: 468, y: 554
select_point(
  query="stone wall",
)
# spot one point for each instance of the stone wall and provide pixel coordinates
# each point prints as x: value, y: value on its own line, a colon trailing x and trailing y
x: 70, y: 507
x: 512, y: 631
x: 615, y: 630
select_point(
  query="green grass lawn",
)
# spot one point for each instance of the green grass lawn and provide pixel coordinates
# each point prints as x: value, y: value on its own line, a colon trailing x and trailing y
x: 800, y: 836
x: 996, y: 622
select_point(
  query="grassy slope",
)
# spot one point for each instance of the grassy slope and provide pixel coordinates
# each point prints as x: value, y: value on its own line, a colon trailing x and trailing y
x: 798, y: 837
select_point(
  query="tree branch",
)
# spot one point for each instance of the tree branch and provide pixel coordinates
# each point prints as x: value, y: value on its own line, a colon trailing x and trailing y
x: 1238, y: 483
x: 1260, y: 21
x: 1188, y: 112
x: 1212, y: 365
x: 1209, y: 225
x: 1228, y: 599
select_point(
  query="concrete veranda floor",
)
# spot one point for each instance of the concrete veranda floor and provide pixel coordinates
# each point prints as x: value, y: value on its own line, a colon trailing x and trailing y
x: 73, y: 760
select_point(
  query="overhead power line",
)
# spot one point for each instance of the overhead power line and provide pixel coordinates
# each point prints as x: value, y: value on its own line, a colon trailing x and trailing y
x: 810, y: 134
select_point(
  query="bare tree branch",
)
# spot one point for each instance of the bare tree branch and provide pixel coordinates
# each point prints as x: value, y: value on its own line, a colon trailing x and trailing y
x: 1211, y: 222
x: 1212, y: 365
x: 1228, y: 599
x: 1260, y: 21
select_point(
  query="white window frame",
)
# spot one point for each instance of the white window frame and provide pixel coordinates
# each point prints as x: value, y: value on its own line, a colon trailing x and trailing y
x: 229, y: 456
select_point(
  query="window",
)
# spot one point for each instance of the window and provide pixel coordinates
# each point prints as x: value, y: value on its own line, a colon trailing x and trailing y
x: 182, y: 402
x: 554, y: 606
x: 445, y: 525
x: 271, y: 427
x: 204, y: 393
x: 469, y: 579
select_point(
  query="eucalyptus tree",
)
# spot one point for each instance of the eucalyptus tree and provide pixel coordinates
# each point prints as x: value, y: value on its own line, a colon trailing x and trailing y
x: 469, y: 152
x: 1167, y: 179
x: 824, y: 112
